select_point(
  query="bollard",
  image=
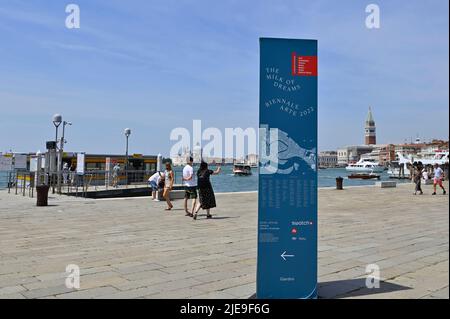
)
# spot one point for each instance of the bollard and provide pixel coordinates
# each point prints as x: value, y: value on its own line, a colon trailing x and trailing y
x: 42, y: 195
x: 339, y: 183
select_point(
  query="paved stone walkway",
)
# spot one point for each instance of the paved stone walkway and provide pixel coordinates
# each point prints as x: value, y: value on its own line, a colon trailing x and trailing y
x: 132, y: 248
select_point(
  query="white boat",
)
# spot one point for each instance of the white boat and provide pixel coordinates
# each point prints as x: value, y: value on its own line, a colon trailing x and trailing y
x: 395, y: 171
x: 436, y: 157
x: 400, y: 168
x: 365, y: 166
x: 242, y: 169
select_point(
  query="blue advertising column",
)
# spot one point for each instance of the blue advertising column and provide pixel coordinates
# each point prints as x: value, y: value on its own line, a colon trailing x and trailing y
x: 287, y: 197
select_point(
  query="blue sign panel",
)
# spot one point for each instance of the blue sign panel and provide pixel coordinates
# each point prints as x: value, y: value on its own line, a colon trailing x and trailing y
x: 287, y: 209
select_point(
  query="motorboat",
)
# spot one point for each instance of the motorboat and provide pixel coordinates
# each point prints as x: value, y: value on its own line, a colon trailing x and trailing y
x: 364, y: 176
x: 242, y: 169
x: 365, y: 166
x: 399, y: 169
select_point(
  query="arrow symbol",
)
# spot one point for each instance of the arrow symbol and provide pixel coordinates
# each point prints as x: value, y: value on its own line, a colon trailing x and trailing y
x: 284, y: 255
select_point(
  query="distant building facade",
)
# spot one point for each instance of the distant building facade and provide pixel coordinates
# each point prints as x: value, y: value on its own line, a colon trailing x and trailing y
x: 352, y: 154
x: 328, y: 159
x: 409, y: 149
x: 383, y: 154
x: 252, y: 159
x: 436, y: 145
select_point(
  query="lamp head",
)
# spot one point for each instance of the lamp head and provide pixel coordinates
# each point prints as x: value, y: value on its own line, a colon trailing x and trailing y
x: 57, y: 119
x: 127, y: 132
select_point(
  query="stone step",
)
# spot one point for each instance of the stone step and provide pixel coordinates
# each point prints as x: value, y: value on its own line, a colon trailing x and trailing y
x: 386, y: 184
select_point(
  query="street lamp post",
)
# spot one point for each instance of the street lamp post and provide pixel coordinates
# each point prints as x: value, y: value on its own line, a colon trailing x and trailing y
x: 61, y: 153
x: 63, y: 141
x: 57, y: 120
x: 127, y: 133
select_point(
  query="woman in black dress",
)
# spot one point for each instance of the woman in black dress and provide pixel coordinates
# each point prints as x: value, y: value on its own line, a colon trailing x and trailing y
x: 205, y: 190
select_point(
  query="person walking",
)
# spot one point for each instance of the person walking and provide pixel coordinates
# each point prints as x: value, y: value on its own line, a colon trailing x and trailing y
x: 425, y: 175
x: 418, y: 179
x: 190, y: 186
x: 154, y: 182
x: 438, y: 178
x: 65, y: 173
x: 205, y: 190
x: 115, y: 175
x: 72, y: 172
x: 168, y: 185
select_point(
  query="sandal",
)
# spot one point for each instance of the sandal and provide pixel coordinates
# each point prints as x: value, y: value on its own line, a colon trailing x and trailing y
x: 209, y: 216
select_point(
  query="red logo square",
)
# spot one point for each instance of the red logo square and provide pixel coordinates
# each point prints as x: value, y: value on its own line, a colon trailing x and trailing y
x: 304, y: 65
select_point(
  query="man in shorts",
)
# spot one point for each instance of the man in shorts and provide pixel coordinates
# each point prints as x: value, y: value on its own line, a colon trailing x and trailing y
x: 115, y: 175
x: 190, y: 186
x: 438, y: 178
x: 153, y: 182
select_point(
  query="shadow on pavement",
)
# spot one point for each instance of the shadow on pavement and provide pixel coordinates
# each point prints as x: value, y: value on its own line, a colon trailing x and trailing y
x: 354, y: 288
x: 203, y: 217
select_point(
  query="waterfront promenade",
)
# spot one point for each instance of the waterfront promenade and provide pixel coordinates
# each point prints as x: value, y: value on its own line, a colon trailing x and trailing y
x: 132, y: 248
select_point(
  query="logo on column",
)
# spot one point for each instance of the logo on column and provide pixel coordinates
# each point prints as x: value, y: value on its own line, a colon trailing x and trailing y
x: 304, y: 65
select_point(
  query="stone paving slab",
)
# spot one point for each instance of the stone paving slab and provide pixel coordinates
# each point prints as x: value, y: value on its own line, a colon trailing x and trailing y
x: 132, y: 248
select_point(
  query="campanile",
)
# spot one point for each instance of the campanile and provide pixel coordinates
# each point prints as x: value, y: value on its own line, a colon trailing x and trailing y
x: 370, y: 136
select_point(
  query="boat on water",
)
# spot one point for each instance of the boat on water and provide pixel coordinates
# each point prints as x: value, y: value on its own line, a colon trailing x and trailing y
x: 242, y: 169
x: 400, y: 168
x: 364, y: 176
x: 365, y: 166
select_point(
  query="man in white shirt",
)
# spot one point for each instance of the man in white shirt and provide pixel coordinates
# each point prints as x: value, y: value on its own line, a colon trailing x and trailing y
x: 115, y: 174
x: 438, y: 178
x: 190, y: 186
x: 154, y: 184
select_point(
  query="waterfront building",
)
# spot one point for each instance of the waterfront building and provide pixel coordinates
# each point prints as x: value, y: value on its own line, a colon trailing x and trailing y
x: 370, y: 129
x: 181, y: 158
x: 252, y: 159
x: 342, y: 156
x: 409, y: 148
x: 436, y: 145
x: 381, y: 153
x: 422, y: 149
x: 352, y: 154
x: 213, y: 160
x: 328, y: 159
x: 197, y: 154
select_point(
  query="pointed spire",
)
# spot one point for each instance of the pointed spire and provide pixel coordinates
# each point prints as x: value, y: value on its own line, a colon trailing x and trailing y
x: 370, y: 119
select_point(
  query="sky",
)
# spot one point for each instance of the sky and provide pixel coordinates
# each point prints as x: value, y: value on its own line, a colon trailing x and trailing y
x: 156, y: 65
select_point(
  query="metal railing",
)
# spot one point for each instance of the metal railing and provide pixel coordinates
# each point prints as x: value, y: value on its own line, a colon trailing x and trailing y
x: 21, y: 182
x: 103, y: 180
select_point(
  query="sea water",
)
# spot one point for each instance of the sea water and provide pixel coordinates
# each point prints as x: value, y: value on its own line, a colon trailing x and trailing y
x: 227, y: 182
x: 3, y: 179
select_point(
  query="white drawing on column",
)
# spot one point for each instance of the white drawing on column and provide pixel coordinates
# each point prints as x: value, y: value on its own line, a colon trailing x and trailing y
x: 289, y: 155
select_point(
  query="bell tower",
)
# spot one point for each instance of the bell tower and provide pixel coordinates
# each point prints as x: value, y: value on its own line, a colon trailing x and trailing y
x: 370, y: 130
